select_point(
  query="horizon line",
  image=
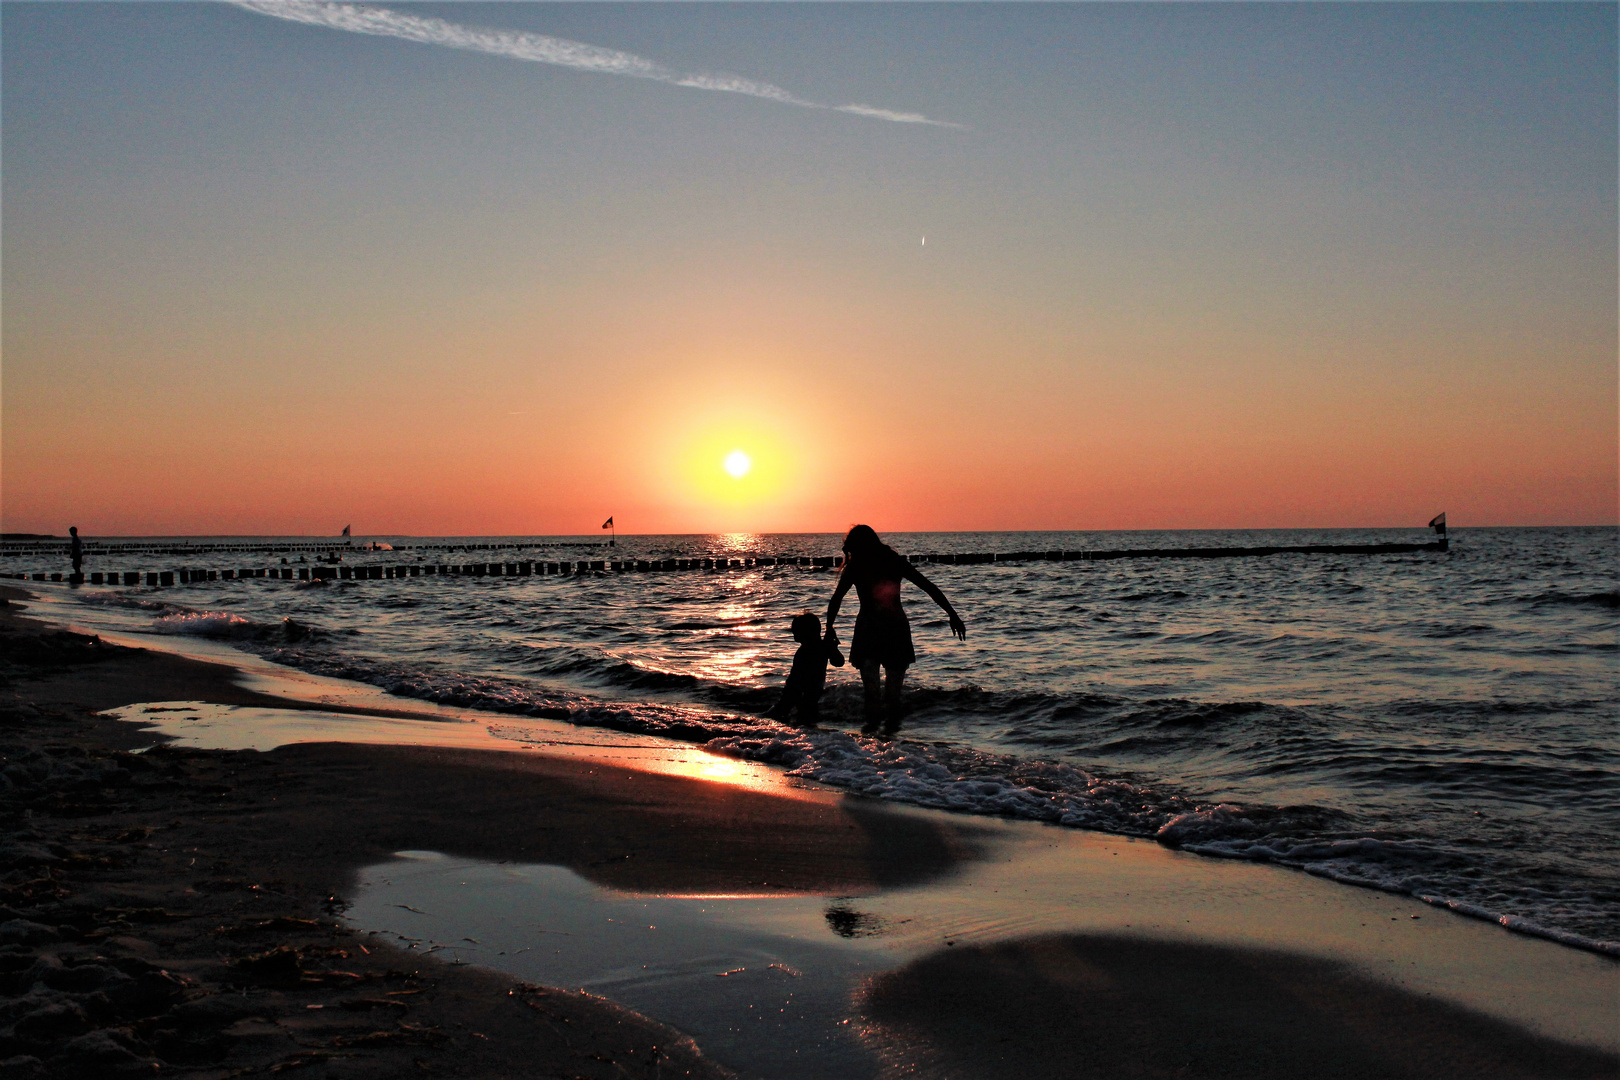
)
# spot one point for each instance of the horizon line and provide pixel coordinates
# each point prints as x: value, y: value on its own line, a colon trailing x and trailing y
x: 20, y: 537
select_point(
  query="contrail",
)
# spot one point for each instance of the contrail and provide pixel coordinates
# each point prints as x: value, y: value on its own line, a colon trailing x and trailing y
x: 541, y: 49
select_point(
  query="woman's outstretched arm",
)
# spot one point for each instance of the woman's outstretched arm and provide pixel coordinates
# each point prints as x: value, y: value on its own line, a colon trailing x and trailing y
x: 837, y: 597
x: 958, y: 627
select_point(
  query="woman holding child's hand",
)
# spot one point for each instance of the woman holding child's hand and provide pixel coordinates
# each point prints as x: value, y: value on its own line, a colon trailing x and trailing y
x: 882, y: 642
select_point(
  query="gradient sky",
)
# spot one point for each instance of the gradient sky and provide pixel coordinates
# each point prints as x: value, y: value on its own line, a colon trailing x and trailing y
x: 1219, y: 265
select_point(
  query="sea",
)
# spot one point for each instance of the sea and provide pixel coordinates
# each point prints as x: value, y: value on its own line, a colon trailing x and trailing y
x: 1441, y: 725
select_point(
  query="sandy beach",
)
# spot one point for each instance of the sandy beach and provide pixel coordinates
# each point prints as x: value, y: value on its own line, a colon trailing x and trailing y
x: 178, y: 909
x: 795, y: 541
x: 189, y: 895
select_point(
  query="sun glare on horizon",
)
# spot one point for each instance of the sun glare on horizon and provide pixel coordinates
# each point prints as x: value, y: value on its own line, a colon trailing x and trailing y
x: 732, y: 464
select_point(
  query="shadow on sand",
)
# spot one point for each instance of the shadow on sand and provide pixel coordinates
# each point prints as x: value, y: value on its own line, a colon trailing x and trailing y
x: 1076, y: 1006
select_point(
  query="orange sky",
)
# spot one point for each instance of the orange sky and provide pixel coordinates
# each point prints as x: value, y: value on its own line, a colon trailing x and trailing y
x: 264, y: 278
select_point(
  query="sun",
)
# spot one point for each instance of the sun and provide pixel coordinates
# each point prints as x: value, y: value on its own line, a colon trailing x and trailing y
x: 733, y: 464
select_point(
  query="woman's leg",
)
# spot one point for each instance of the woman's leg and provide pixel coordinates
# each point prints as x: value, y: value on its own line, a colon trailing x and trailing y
x: 872, y: 683
x: 894, y: 686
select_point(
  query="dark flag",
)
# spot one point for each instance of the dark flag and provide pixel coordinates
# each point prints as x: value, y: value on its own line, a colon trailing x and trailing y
x: 608, y: 524
x: 345, y: 530
x: 1439, y: 524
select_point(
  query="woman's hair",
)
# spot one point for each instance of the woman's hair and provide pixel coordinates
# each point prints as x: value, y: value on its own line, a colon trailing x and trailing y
x: 862, y: 538
x: 862, y: 546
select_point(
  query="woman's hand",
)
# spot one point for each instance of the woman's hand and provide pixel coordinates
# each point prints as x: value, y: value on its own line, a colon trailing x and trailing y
x: 958, y: 627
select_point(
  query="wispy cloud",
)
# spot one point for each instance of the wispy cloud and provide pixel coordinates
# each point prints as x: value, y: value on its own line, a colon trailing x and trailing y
x: 541, y: 49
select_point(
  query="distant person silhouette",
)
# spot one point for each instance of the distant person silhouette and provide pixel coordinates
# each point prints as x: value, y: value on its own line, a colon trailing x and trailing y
x: 881, y: 649
x: 809, y: 672
x: 76, y: 553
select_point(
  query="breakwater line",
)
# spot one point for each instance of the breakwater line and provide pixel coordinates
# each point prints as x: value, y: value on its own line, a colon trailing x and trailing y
x: 56, y: 546
x: 540, y: 567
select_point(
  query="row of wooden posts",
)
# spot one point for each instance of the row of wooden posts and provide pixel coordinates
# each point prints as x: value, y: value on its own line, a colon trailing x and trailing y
x: 93, y: 547
x: 537, y: 567
x: 377, y: 572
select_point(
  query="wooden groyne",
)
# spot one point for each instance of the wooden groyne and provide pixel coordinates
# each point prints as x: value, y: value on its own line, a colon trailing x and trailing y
x: 1204, y: 553
x: 542, y: 568
x: 60, y: 546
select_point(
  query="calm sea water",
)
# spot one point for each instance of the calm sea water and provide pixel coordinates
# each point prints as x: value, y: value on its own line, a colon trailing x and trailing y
x: 1440, y: 725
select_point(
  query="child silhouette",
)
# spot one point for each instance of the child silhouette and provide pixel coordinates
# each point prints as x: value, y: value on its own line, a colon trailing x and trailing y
x: 809, y: 672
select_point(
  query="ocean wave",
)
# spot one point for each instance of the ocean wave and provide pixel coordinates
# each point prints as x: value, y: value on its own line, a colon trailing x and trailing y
x: 604, y: 669
x: 1458, y: 630
x: 1155, y: 594
x: 1320, y: 840
x: 178, y: 619
x: 1523, y: 925
x: 210, y: 624
x: 228, y: 626
x: 1490, y: 707
x: 1609, y: 598
x: 127, y: 600
x: 1418, y: 868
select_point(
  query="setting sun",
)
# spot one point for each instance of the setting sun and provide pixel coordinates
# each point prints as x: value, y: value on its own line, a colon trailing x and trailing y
x: 731, y: 460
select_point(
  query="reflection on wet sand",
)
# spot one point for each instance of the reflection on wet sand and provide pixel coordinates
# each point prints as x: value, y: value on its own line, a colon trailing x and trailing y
x: 1070, y: 1007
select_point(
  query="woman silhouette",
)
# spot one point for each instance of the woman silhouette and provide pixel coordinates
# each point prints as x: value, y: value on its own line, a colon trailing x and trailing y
x: 882, y: 643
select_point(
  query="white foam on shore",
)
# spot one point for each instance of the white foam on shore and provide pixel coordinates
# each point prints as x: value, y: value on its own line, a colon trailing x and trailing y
x: 210, y: 624
x: 1072, y: 797
x: 1523, y: 926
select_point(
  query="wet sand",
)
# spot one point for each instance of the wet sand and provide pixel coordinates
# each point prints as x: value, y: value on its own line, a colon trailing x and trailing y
x: 1074, y: 1007
x: 196, y: 891
x: 177, y: 907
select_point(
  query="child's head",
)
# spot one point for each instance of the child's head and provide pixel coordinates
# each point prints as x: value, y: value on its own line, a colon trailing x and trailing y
x: 806, y: 629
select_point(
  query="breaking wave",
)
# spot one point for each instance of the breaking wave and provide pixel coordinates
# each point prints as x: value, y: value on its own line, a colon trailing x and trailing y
x: 1323, y: 841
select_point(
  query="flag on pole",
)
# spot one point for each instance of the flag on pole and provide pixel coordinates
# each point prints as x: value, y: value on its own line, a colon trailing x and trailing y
x: 345, y: 530
x: 608, y: 524
x: 1439, y: 523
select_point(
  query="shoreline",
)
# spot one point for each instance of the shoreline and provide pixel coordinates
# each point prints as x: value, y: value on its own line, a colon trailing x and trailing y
x: 270, y: 842
x: 174, y: 881
x: 766, y: 751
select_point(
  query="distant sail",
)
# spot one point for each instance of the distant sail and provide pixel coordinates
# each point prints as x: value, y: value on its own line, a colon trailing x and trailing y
x: 345, y: 530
